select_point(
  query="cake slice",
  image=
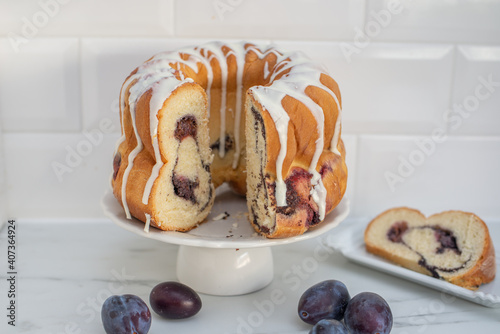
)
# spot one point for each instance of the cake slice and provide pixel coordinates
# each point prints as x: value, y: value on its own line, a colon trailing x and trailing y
x: 172, y: 187
x: 454, y: 246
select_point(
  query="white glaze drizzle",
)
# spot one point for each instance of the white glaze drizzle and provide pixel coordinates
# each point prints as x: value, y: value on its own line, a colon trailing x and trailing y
x: 195, y: 57
x: 266, y: 70
x: 238, y: 50
x: 217, y: 53
x: 210, y: 79
x: 148, y: 222
x: 336, y: 132
x: 303, y: 73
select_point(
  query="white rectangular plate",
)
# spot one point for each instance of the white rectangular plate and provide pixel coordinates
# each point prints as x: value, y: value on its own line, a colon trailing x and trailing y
x: 349, y: 242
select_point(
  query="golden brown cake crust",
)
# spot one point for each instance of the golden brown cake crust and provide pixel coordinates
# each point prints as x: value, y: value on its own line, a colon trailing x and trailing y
x: 482, y: 272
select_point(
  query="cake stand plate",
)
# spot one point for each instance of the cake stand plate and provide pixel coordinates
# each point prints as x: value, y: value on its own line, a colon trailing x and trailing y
x: 223, y: 256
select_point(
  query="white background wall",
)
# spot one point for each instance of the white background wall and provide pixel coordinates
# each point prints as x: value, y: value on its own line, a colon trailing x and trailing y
x: 414, y: 75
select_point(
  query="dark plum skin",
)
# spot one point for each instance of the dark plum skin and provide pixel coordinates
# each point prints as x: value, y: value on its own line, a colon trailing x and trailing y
x: 127, y: 314
x: 329, y: 326
x: 324, y: 300
x: 173, y: 300
x: 368, y: 313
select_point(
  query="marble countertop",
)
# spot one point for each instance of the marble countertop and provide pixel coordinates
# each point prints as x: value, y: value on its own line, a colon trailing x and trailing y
x: 66, y: 269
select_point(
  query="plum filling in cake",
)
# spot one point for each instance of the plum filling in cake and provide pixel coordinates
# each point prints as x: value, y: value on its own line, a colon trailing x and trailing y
x: 297, y: 200
x: 445, y: 239
x: 259, y: 127
x: 262, y: 228
x: 257, y: 185
x: 184, y: 187
x: 261, y: 189
x: 185, y: 127
x: 185, y: 174
x: 117, y: 161
x: 228, y: 143
x: 433, y: 269
x: 395, y: 233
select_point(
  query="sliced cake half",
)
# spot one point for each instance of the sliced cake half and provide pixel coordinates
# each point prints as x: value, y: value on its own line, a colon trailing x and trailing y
x: 454, y: 246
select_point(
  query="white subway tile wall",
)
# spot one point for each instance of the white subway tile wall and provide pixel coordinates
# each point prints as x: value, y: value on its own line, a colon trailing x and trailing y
x: 351, y: 145
x: 291, y: 19
x: 420, y: 83
x: 40, y: 85
x: 31, y: 19
x: 398, y: 88
x: 432, y: 173
x: 469, y: 21
x: 58, y: 175
x: 476, y: 97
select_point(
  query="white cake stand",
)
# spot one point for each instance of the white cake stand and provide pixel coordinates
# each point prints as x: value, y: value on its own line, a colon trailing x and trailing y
x: 223, y: 256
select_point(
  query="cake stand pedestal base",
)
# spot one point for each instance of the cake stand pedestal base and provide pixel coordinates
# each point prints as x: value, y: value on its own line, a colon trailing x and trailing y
x: 225, y: 271
x: 211, y: 260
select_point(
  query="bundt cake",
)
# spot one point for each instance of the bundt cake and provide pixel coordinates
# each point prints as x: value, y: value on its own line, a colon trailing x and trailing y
x: 454, y: 246
x: 266, y: 122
